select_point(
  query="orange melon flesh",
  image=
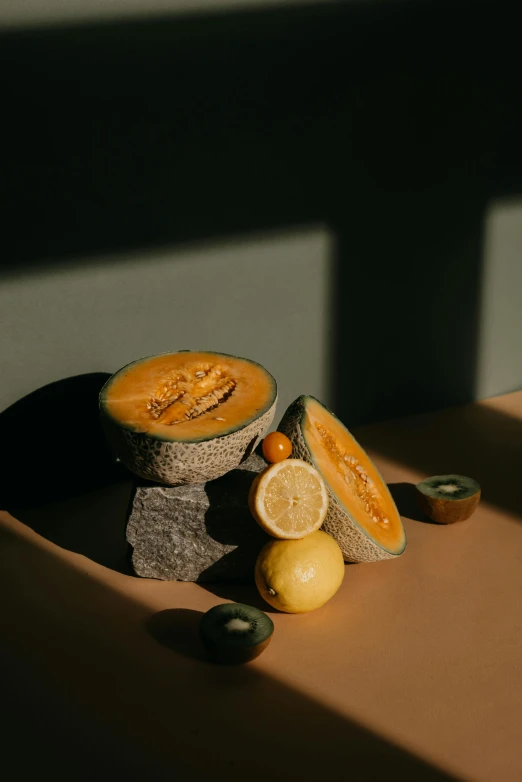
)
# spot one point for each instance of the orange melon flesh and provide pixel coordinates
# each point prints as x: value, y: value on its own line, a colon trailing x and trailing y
x: 352, y: 477
x: 139, y: 396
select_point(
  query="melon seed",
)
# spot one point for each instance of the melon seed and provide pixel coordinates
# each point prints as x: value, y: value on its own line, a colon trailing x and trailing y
x: 201, y: 389
x: 351, y: 469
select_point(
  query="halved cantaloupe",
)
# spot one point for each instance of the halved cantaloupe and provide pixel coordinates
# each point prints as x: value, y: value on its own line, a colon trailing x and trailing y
x: 362, y: 515
x: 187, y: 417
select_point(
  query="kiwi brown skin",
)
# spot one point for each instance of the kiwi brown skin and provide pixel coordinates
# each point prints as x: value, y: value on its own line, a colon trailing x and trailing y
x: 236, y: 656
x: 447, y: 511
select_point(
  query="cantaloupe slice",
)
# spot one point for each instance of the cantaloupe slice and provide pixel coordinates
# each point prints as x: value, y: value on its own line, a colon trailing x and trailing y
x: 362, y: 515
x: 187, y: 417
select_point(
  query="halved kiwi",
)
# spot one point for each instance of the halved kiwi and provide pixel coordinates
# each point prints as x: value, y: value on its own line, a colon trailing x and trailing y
x: 448, y: 498
x: 235, y: 633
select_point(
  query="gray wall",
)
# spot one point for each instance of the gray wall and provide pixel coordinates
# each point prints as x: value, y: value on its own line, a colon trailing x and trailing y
x: 30, y: 12
x: 499, y: 356
x: 331, y: 190
x: 267, y: 298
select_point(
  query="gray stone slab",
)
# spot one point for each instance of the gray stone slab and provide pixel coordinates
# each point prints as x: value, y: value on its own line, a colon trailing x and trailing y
x: 202, y: 533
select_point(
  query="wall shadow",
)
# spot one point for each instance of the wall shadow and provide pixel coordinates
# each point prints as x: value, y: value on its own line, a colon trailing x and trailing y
x: 386, y: 121
x: 432, y: 131
x: 158, y: 706
x: 180, y: 129
x: 58, y: 473
x: 54, y: 446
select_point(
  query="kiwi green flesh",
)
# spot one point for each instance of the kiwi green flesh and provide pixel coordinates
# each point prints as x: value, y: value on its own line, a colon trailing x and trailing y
x: 449, y: 487
x: 235, y: 626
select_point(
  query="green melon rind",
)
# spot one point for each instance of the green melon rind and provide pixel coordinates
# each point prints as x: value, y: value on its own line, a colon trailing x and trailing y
x: 224, y: 432
x: 355, y: 543
x: 177, y: 462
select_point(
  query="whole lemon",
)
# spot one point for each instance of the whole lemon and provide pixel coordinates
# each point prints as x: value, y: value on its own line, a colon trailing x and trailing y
x: 299, y: 575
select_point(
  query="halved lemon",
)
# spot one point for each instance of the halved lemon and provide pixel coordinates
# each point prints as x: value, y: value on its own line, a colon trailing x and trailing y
x: 289, y: 499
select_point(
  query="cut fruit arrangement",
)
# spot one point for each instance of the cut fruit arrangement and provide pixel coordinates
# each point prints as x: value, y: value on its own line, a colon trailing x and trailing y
x: 301, y: 575
x: 289, y: 500
x: 187, y: 417
x: 362, y: 515
x: 303, y: 567
x: 190, y: 417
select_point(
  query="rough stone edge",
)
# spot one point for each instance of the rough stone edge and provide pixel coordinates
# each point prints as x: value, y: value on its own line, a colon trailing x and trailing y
x: 253, y: 463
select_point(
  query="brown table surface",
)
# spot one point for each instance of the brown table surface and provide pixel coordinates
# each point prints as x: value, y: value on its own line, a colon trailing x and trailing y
x: 412, y: 671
